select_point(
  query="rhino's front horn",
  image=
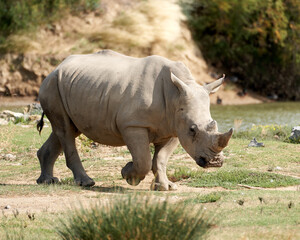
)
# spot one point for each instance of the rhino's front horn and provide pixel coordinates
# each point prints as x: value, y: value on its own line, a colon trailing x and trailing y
x: 223, y: 139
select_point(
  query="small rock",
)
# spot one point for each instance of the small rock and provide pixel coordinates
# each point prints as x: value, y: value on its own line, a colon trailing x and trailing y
x: 295, y: 135
x: 7, y: 207
x: 277, y: 168
x: 34, y: 117
x: 16, y: 115
x: 33, y: 109
x: 3, y: 122
x: 9, y: 157
x: 254, y: 143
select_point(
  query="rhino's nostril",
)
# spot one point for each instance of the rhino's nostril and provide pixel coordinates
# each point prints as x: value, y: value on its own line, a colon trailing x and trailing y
x: 201, y: 161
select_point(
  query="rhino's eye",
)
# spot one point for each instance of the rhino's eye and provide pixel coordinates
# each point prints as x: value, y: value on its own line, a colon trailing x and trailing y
x: 193, y: 130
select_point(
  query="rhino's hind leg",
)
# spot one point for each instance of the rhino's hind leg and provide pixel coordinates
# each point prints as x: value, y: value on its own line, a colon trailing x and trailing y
x: 47, y: 155
x: 66, y: 136
x: 63, y: 138
x: 137, y: 141
x: 159, y: 166
x: 74, y: 163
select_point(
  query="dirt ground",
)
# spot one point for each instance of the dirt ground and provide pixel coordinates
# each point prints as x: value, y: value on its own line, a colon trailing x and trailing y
x: 59, y: 202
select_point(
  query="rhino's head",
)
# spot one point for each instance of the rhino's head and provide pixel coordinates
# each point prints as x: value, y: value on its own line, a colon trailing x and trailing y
x: 196, y: 130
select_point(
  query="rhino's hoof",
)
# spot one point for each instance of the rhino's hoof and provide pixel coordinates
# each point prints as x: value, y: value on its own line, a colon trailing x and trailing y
x: 163, y: 187
x: 126, y: 170
x: 158, y: 187
x: 85, y: 182
x: 47, y: 180
x: 172, y: 186
x: 133, y: 181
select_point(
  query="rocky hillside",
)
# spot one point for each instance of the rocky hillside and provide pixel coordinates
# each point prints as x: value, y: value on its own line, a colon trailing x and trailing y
x: 132, y: 27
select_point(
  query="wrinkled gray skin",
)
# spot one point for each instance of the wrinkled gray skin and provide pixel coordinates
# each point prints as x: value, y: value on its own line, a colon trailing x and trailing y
x: 118, y: 100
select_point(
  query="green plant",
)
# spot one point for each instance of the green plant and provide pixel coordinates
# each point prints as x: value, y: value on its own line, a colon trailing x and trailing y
x: 253, y: 39
x: 231, y: 178
x: 22, y: 120
x: 207, y: 198
x: 264, y: 132
x: 183, y: 173
x: 135, y: 218
x: 18, y: 15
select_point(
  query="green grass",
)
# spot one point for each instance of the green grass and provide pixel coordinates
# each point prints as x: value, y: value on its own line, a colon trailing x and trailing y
x: 266, y: 132
x: 136, y: 218
x: 206, y: 198
x: 232, y: 177
x: 29, y: 226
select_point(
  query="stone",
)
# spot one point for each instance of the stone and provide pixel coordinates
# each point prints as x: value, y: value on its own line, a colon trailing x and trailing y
x: 15, y: 115
x: 9, y: 157
x: 3, y: 122
x: 295, y: 135
x: 254, y: 143
x: 33, y: 109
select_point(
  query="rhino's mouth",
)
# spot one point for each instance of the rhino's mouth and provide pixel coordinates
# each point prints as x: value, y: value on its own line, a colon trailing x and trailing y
x: 203, y: 162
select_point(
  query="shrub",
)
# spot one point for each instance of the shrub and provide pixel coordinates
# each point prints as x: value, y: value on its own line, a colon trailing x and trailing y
x: 135, y: 218
x: 18, y: 15
x: 258, y: 41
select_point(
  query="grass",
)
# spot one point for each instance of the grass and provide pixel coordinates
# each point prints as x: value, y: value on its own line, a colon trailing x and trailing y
x: 148, y: 219
x: 206, y: 198
x: 28, y: 226
x: 265, y: 132
x: 233, y: 177
x: 241, y: 213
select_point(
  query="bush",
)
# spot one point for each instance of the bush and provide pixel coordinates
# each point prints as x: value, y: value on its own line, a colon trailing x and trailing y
x: 135, y: 218
x: 258, y: 41
x: 16, y: 15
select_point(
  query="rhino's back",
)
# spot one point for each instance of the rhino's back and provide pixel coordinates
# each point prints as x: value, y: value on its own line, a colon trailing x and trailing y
x: 105, y: 92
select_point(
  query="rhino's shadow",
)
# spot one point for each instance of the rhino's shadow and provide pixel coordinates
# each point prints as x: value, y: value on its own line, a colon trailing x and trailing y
x: 106, y: 189
x: 112, y: 189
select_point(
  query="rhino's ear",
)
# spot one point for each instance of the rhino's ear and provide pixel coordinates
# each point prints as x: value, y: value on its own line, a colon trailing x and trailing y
x: 182, y: 87
x: 214, y: 86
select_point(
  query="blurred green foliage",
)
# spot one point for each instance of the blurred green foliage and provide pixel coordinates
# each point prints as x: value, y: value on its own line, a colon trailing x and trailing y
x: 257, y: 41
x: 16, y: 15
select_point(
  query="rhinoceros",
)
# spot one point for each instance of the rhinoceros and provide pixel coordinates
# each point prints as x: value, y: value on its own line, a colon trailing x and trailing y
x: 119, y: 100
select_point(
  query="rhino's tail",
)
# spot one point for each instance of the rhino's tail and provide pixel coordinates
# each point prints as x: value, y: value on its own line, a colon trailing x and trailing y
x: 40, y: 124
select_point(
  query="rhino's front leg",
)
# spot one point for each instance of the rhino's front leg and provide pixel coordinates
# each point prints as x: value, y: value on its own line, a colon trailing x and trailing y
x: 159, y: 167
x: 137, y: 142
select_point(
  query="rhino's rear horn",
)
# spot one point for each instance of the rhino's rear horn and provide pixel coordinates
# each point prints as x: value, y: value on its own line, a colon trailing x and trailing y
x: 214, y: 86
x: 223, y: 139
